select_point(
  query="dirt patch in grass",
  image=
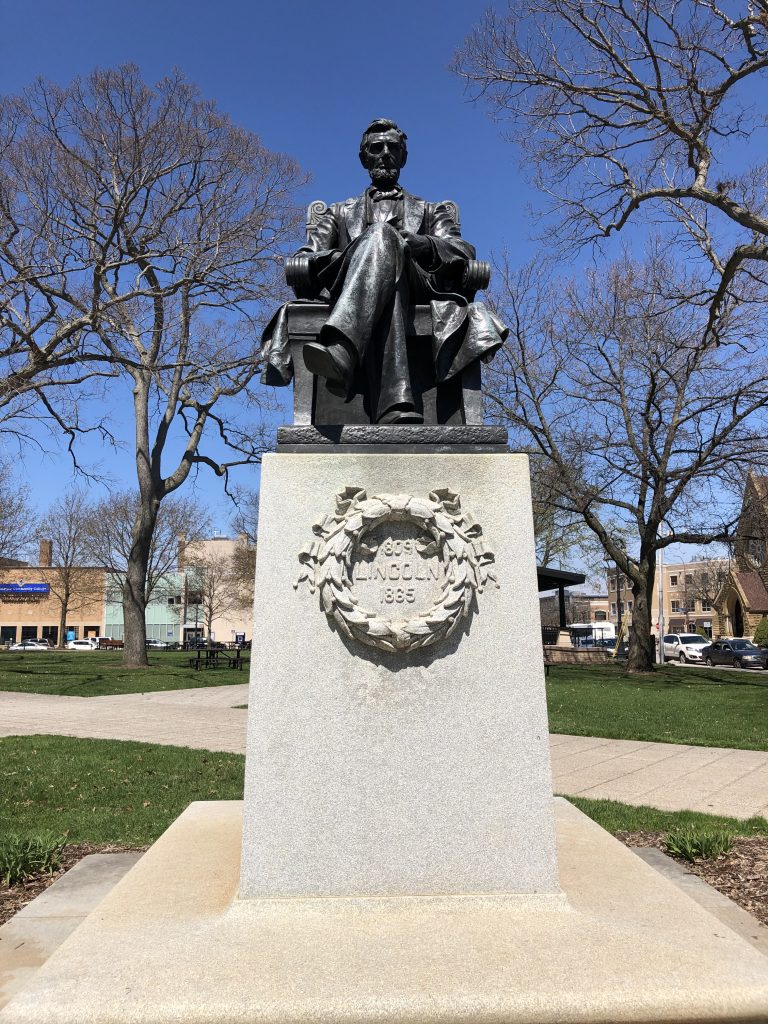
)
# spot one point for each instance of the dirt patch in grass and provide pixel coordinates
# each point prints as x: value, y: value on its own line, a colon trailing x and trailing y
x: 14, y: 897
x: 741, y: 874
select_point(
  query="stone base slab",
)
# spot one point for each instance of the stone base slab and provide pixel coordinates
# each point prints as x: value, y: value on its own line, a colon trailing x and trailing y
x: 172, y: 943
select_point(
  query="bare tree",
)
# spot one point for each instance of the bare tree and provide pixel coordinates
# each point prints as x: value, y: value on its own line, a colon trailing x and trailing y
x: 144, y: 218
x: 643, y: 426
x: 630, y: 108
x: 17, y: 520
x: 47, y: 349
x: 562, y: 538
x: 706, y: 577
x: 243, y: 568
x: 72, y: 581
x: 245, y: 522
x: 110, y: 529
x: 209, y: 584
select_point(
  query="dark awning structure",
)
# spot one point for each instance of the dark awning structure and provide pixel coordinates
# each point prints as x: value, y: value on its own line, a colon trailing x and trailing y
x: 558, y: 579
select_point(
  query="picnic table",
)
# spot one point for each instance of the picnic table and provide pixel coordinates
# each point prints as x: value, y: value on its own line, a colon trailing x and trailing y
x: 214, y: 657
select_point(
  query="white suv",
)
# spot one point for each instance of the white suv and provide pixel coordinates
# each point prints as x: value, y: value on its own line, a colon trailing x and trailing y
x: 684, y: 647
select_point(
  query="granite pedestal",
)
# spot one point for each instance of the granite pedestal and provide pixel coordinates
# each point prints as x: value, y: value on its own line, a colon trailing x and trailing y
x: 372, y: 772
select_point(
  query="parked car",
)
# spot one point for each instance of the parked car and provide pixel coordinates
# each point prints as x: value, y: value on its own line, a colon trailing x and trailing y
x: 30, y: 645
x: 157, y: 645
x: 684, y: 647
x: 737, y: 652
x: 82, y: 645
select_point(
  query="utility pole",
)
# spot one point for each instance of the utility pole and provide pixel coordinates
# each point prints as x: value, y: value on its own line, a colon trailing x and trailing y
x: 661, y: 603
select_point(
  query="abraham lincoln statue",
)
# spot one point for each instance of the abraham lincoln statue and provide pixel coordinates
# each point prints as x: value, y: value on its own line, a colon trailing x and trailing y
x: 370, y: 257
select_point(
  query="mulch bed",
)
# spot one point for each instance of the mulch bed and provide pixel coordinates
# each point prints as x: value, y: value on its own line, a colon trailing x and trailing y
x: 741, y: 874
x: 13, y: 898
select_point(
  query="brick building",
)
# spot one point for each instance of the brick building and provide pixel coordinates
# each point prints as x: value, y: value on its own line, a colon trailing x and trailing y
x: 30, y: 600
x: 689, y: 593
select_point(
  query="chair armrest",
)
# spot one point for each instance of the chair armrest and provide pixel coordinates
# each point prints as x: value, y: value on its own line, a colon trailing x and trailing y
x: 476, y: 276
x: 298, y: 276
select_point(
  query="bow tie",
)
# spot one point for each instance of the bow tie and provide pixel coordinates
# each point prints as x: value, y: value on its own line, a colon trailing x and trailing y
x: 393, y: 193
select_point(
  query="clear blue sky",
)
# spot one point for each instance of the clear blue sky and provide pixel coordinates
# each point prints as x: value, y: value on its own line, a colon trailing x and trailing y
x: 307, y: 77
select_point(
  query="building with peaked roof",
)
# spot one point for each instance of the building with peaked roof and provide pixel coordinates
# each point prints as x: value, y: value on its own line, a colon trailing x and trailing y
x: 743, y: 599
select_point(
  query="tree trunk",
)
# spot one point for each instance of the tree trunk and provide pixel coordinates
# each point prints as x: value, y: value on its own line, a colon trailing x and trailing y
x: 64, y: 598
x: 62, y: 625
x: 135, y: 588
x: 641, y: 656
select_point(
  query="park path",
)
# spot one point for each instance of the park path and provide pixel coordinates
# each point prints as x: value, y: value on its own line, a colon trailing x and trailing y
x: 669, y: 776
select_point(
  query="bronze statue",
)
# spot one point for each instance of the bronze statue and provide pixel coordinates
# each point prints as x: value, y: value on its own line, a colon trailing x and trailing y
x: 370, y: 258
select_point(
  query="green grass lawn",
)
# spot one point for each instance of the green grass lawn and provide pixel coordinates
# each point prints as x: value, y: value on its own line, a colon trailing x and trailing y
x: 711, y: 708
x: 107, y: 791
x: 101, y: 673
x: 616, y: 817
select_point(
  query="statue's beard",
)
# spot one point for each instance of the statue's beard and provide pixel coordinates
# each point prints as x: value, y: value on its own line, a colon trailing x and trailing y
x: 384, y: 177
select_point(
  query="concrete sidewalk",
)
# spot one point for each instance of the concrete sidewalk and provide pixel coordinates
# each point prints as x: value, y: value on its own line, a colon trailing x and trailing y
x: 714, y: 780
x: 205, y: 718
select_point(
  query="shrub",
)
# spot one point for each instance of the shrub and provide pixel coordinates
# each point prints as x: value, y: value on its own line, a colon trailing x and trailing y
x: 23, y: 857
x: 691, y: 843
x: 761, y: 633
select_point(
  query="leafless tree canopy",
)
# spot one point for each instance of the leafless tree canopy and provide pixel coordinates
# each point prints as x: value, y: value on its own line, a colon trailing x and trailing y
x: 17, y: 520
x: 705, y: 578
x: 562, y: 538
x: 623, y: 107
x: 222, y: 584
x: 110, y: 531
x: 72, y: 578
x: 139, y: 237
x: 245, y: 521
x: 644, y: 429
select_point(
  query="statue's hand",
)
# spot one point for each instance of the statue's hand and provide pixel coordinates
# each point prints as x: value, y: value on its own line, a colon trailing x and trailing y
x: 419, y: 246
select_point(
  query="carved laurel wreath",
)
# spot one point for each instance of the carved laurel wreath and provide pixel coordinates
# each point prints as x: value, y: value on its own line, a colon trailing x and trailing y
x: 449, y: 532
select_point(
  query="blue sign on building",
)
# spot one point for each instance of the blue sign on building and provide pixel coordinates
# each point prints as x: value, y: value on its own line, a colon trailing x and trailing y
x: 24, y: 588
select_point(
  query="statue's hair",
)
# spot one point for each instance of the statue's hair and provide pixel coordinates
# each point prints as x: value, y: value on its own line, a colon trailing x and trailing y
x: 383, y: 124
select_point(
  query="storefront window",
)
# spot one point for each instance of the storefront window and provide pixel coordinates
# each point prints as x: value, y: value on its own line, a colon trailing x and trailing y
x: 8, y: 634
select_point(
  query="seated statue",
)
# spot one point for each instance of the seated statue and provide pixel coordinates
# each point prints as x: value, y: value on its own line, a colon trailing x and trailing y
x: 370, y: 258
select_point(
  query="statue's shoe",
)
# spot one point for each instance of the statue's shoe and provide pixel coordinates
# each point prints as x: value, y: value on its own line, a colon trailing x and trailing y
x: 400, y: 416
x: 332, y: 362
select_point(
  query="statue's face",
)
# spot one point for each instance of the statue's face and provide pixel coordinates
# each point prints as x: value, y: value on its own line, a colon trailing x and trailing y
x: 383, y: 152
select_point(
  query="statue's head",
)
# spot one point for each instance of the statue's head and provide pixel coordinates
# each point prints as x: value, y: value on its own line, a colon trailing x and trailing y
x: 383, y: 152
